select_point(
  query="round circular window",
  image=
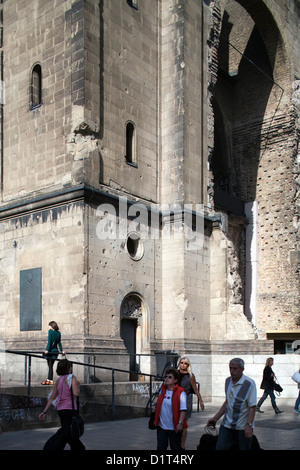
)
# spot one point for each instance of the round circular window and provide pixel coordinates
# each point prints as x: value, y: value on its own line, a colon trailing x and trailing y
x: 134, y: 246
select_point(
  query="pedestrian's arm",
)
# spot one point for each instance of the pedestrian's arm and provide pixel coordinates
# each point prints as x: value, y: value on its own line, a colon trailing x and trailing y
x: 51, y: 399
x: 49, y: 342
x: 181, y: 419
x: 75, y: 386
x: 249, y: 425
x: 60, y: 346
x: 213, y: 421
x: 196, y: 391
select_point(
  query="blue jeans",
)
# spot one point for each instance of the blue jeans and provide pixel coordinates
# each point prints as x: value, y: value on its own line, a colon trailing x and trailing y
x: 232, y: 437
x: 272, y: 396
x: 297, y: 402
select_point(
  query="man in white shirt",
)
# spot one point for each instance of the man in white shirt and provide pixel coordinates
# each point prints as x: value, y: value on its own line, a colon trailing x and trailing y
x: 238, y: 409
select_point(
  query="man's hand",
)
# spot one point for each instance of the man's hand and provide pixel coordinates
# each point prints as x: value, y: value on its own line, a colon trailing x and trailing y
x: 248, y: 431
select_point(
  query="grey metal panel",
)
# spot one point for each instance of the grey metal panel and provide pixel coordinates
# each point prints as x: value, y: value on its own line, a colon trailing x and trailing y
x: 31, y: 299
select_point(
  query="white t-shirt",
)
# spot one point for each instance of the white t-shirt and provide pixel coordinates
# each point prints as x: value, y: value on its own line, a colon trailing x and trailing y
x: 166, y: 412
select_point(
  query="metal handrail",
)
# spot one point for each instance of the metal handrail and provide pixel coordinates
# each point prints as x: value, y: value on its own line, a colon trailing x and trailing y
x: 30, y: 355
x: 112, y: 369
x: 94, y: 354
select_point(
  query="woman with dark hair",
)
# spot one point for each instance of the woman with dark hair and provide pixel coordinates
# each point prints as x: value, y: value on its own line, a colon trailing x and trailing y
x: 267, y: 385
x: 66, y: 409
x: 52, y: 350
x: 170, y: 413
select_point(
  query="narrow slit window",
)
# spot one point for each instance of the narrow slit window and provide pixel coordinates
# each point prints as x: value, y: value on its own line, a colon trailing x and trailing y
x: 133, y: 4
x: 36, y: 87
x: 130, y: 144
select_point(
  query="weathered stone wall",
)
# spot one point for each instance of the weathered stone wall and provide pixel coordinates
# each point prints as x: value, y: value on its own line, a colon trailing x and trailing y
x: 129, y: 48
x: 34, y: 148
x: 53, y: 240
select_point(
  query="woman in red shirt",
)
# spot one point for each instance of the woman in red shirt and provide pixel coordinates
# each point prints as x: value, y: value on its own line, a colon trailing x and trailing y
x: 170, y: 413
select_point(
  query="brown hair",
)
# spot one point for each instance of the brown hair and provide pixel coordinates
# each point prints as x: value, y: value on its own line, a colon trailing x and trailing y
x: 173, y: 372
x: 63, y: 367
x: 54, y: 325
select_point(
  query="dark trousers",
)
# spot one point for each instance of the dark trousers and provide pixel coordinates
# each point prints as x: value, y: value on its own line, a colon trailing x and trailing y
x: 63, y: 436
x: 229, y: 438
x: 50, y: 362
x: 165, y: 437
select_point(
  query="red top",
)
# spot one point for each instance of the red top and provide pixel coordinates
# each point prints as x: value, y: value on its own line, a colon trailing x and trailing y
x: 175, y: 405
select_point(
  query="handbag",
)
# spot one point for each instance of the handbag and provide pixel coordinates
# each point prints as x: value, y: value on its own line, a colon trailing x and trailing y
x: 77, y: 424
x: 151, y: 424
x: 208, y: 440
x: 278, y: 389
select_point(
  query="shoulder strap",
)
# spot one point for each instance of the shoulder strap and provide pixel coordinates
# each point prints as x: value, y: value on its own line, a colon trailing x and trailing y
x: 72, y: 398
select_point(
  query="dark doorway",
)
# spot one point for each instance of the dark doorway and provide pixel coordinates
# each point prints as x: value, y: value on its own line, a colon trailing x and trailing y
x: 128, y: 334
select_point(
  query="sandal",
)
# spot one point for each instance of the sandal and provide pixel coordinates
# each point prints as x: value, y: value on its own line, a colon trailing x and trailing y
x: 47, y: 382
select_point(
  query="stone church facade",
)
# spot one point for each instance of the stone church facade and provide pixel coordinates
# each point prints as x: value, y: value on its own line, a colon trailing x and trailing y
x: 129, y: 129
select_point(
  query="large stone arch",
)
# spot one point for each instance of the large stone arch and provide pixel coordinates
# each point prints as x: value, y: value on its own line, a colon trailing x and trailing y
x: 251, y: 91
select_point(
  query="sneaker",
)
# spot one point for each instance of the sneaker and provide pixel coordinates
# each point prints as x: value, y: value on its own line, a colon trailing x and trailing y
x: 297, y: 412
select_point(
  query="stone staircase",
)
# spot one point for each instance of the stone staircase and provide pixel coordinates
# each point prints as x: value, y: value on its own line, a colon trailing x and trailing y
x: 18, y: 410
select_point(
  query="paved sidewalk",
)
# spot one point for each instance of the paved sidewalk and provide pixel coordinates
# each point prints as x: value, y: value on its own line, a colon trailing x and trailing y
x: 274, y: 432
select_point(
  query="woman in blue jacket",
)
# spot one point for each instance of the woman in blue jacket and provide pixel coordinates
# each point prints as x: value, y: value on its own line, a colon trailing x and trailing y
x: 52, y: 350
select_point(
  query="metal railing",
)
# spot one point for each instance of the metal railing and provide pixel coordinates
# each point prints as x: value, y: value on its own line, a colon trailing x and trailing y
x: 28, y: 370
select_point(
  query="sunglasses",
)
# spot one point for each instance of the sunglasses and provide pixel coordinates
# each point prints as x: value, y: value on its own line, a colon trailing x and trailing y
x: 169, y: 377
x: 187, y: 363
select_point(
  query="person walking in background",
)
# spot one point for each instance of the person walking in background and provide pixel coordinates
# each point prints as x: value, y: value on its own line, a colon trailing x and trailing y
x: 238, y: 410
x: 187, y: 381
x: 66, y: 410
x: 267, y: 385
x: 296, y: 378
x: 170, y: 413
x: 52, y: 350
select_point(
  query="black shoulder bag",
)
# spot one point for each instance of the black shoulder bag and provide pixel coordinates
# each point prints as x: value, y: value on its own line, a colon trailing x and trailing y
x: 278, y: 389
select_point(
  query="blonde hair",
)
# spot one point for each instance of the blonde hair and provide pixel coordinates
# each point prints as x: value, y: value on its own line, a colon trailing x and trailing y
x: 269, y: 360
x: 186, y: 359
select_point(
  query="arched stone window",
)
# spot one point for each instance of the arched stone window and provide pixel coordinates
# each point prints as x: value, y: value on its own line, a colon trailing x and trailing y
x: 36, y: 86
x: 130, y: 144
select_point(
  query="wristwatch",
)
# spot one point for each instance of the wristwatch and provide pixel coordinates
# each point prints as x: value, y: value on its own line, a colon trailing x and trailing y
x: 180, y: 422
x: 250, y: 424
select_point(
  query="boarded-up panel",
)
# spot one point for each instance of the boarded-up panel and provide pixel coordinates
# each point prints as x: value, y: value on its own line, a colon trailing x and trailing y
x: 31, y: 299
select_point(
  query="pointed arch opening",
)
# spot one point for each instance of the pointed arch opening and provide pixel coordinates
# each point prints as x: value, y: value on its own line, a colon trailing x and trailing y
x: 36, y: 86
x: 134, y: 329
